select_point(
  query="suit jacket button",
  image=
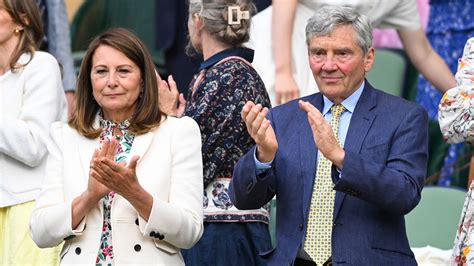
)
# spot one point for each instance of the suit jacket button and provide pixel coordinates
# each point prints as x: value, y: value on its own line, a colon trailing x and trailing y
x: 136, y: 221
x: 78, y: 250
x: 161, y: 237
x: 137, y: 247
x: 301, y: 226
x: 152, y: 234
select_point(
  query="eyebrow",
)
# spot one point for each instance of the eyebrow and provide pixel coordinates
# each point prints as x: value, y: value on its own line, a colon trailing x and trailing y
x: 343, y: 50
x: 102, y: 65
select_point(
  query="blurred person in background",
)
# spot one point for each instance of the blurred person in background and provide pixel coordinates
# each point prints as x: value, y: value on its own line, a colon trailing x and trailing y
x: 225, y: 82
x: 31, y: 99
x: 172, y: 38
x: 450, y: 24
x: 456, y: 120
x: 57, y: 41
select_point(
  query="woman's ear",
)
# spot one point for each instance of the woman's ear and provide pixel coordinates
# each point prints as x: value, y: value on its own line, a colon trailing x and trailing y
x: 198, y: 22
x: 24, y: 19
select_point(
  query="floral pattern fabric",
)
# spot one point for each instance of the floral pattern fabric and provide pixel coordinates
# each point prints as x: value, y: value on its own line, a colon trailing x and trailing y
x: 450, y: 24
x: 105, y: 255
x: 215, y: 99
x: 456, y: 110
x: 456, y: 119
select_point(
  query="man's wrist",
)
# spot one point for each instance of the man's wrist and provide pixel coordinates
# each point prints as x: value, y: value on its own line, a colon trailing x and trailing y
x: 264, y: 156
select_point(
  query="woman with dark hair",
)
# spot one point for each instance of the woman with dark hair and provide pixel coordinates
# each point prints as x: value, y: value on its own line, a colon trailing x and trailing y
x: 124, y: 181
x: 31, y: 98
x: 217, y: 94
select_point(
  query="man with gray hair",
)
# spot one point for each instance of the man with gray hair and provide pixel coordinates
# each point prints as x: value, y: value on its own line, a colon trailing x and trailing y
x: 346, y: 164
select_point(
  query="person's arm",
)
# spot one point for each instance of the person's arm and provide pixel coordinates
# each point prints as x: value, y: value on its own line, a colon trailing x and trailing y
x: 51, y: 221
x: 456, y: 115
x: 426, y: 59
x: 60, y: 46
x: 250, y: 189
x: 283, y: 17
x: 24, y: 134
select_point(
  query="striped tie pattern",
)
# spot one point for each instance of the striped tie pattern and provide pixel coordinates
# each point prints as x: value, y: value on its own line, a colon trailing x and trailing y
x: 319, y: 230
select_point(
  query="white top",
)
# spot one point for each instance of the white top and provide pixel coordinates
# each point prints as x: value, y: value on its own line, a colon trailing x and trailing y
x: 397, y: 14
x: 30, y: 100
x: 169, y: 168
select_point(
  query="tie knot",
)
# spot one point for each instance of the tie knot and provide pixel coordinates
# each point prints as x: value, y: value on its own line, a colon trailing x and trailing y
x: 337, y: 110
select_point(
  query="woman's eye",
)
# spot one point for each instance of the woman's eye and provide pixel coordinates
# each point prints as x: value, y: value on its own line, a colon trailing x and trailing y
x: 101, y: 71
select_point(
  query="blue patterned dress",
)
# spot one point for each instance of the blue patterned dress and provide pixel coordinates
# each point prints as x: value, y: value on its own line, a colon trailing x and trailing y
x: 450, y: 24
x: 105, y: 256
x: 217, y: 95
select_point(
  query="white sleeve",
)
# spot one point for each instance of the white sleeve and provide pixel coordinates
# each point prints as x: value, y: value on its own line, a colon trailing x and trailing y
x: 51, y: 219
x: 24, y: 137
x: 404, y: 16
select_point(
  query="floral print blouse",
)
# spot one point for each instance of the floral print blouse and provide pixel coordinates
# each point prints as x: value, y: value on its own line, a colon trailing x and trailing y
x: 216, y: 97
x: 105, y: 255
x: 456, y: 110
x: 456, y: 120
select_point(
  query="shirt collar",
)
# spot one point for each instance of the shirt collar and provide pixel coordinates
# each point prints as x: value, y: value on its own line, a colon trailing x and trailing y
x: 349, y: 103
x: 107, y: 124
x: 243, y: 52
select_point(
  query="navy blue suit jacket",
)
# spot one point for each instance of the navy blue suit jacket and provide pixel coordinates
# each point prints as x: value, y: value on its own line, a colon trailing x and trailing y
x: 386, y: 152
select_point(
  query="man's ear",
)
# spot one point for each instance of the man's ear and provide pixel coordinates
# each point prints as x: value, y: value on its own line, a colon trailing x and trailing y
x: 369, y: 59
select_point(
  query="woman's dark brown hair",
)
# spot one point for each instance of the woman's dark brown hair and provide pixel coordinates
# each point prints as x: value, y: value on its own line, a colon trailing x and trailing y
x: 147, y: 113
x: 26, y: 14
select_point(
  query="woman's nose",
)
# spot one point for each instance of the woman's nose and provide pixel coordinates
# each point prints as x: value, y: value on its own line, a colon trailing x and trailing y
x: 112, y: 80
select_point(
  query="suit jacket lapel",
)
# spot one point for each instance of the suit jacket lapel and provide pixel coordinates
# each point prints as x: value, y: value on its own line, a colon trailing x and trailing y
x: 308, y: 152
x: 361, y: 121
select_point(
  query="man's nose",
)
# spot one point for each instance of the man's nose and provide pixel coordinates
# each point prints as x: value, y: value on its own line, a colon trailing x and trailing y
x: 329, y: 64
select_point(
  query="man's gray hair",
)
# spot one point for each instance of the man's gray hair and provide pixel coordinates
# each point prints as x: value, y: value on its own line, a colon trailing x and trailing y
x: 327, y: 18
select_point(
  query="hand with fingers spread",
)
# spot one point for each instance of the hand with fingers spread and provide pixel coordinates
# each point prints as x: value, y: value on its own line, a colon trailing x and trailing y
x: 323, y: 135
x: 261, y: 131
x: 171, y: 101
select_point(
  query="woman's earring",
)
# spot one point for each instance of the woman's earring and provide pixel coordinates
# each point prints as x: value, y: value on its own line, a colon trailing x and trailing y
x: 18, y: 30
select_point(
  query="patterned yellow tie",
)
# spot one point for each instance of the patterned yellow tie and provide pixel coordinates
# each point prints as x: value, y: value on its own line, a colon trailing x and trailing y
x: 318, y: 233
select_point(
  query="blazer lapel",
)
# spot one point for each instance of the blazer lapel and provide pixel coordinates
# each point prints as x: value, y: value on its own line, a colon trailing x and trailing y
x: 86, y: 149
x: 308, y: 152
x: 140, y: 145
x: 360, y: 124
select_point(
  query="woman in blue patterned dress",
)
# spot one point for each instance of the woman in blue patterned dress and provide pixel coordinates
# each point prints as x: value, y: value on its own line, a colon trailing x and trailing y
x: 226, y: 81
x: 124, y: 181
x: 450, y: 24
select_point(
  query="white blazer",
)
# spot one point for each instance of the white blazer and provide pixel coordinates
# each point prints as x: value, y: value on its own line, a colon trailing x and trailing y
x: 31, y: 99
x: 170, y: 169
